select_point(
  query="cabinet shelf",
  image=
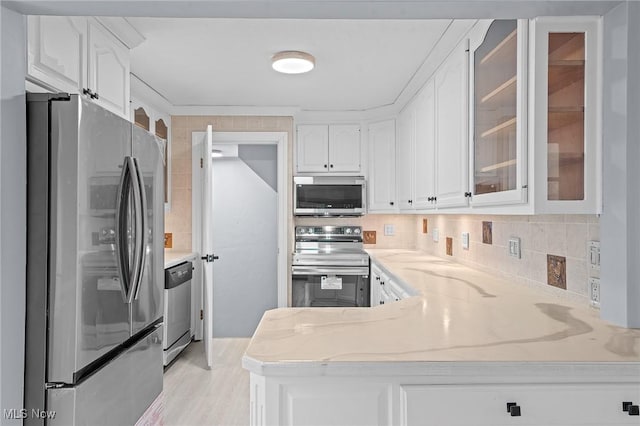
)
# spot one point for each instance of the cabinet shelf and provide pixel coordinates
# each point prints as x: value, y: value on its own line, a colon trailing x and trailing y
x: 564, y: 116
x: 501, y: 93
x: 498, y: 166
x: 565, y: 73
x: 500, y: 127
x: 504, y: 49
x: 567, y: 158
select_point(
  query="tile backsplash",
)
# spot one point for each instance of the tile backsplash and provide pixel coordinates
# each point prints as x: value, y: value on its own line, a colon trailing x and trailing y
x: 540, y: 236
x: 404, y: 235
x: 559, y: 236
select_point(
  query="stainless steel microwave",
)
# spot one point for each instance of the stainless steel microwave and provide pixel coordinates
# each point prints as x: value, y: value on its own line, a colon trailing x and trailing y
x: 329, y: 195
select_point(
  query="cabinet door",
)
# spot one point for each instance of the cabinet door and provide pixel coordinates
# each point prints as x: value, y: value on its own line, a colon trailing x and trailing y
x: 375, y: 285
x: 566, y: 115
x: 344, y: 148
x: 404, y: 168
x: 451, y: 88
x: 498, y: 121
x: 546, y: 404
x: 424, y: 158
x: 57, y: 52
x: 312, y: 149
x: 382, y: 166
x: 108, y: 68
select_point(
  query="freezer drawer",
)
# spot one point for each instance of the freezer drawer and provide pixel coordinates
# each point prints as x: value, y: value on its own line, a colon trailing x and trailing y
x: 117, y: 394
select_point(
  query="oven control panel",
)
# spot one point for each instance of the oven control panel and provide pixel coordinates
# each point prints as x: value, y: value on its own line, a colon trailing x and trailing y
x: 328, y: 231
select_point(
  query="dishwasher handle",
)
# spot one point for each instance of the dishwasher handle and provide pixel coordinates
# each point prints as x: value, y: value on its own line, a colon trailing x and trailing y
x: 177, y: 275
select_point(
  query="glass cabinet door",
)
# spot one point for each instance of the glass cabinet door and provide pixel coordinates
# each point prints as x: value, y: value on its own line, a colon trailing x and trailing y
x: 495, y: 104
x: 565, y: 116
x: 567, y: 110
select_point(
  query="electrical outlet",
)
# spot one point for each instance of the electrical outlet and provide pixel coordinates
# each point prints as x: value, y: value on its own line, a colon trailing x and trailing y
x: 436, y: 235
x: 514, y: 247
x: 594, y: 291
x: 389, y: 230
x: 593, y: 250
x: 168, y: 240
x: 465, y: 240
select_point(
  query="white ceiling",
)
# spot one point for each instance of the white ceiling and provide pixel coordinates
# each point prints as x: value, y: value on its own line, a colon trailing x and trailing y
x: 360, y: 64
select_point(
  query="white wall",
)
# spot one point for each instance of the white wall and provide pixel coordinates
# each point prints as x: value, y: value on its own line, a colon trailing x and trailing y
x: 620, y: 221
x: 245, y: 211
x: 12, y: 211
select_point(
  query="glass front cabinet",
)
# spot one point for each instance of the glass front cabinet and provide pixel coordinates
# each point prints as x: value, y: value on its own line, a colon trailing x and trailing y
x: 567, y: 115
x: 535, y: 130
x: 498, y: 131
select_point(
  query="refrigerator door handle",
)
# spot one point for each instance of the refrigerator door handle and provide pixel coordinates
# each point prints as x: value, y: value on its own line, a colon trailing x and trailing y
x: 138, y: 215
x: 122, y: 231
x: 141, y: 230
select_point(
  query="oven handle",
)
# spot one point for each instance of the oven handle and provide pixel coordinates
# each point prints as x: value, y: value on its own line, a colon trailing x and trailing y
x: 315, y: 270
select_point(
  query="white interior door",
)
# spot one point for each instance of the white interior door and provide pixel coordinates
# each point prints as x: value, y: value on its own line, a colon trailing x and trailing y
x: 207, y: 244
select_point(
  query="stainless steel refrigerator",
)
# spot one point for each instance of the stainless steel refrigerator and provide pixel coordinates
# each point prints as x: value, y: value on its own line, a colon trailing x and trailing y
x: 94, y: 264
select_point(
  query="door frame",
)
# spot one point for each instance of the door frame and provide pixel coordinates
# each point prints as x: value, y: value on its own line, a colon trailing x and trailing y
x: 241, y: 138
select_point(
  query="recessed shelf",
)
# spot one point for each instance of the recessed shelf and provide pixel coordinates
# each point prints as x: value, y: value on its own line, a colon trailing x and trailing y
x: 498, y: 166
x: 505, y: 91
x: 500, y: 127
x: 503, y: 48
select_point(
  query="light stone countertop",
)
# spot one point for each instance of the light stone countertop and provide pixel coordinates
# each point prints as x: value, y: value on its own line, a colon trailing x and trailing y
x: 460, y: 314
x: 173, y: 258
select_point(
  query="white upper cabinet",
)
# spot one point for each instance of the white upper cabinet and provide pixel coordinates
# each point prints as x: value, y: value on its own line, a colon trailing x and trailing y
x: 498, y: 56
x: 328, y: 148
x: 404, y: 157
x: 382, y: 168
x: 57, y: 52
x: 78, y: 55
x: 108, y: 68
x: 452, y: 160
x: 344, y: 148
x: 566, y: 119
x: 416, y: 152
x: 424, y: 151
x: 312, y: 149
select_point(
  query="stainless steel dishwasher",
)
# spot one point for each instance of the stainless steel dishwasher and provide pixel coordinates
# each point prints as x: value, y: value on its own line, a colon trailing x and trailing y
x: 177, y: 309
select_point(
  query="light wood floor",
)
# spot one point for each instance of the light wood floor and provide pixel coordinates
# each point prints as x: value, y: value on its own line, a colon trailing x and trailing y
x: 194, y: 395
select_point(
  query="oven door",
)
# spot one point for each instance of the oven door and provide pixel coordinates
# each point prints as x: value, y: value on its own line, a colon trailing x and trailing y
x: 318, y: 286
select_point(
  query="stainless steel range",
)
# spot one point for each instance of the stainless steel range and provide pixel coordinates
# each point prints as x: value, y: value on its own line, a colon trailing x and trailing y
x: 330, y: 267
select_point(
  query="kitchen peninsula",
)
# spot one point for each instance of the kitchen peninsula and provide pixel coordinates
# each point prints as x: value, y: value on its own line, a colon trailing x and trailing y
x: 471, y: 348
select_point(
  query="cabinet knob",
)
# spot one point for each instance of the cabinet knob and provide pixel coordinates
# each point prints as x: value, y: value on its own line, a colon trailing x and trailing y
x: 331, y: 166
x: 382, y: 302
x: 391, y: 203
x: 410, y: 201
x: 513, y: 409
x: 325, y: 166
x: 628, y: 407
x: 377, y: 278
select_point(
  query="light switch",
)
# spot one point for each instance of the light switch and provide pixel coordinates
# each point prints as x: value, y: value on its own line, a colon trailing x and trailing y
x: 514, y: 247
x: 435, y: 235
x: 389, y: 230
x: 593, y: 248
x: 465, y: 240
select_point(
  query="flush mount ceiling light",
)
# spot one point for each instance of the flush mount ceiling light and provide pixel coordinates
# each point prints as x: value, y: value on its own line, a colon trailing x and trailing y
x: 293, y: 62
x: 216, y: 153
